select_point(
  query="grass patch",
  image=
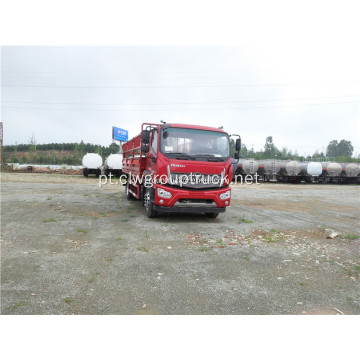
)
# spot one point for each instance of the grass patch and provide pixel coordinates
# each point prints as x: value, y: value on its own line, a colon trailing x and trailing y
x: 142, y: 248
x: 204, y: 248
x: 93, y: 278
x: 119, y: 238
x: 49, y: 198
x: 273, y: 236
x: 302, y: 283
x: 353, y: 270
x: 124, y: 220
x: 246, y: 258
x: 49, y: 220
x: 68, y: 300
x: 221, y: 243
x: 109, y: 259
x: 17, y: 305
x: 245, y: 221
x: 350, y: 236
x: 82, y: 231
x: 269, y: 238
x: 251, y: 245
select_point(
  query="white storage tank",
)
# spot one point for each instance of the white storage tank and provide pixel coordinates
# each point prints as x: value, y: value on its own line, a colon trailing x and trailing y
x: 293, y: 168
x: 333, y: 169
x: 352, y: 170
x: 113, y: 164
x: 248, y: 166
x: 311, y: 168
x: 114, y: 161
x: 271, y: 167
x: 92, y: 163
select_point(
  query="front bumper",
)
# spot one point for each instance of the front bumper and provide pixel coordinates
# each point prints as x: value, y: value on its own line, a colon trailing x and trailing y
x: 197, y: 200
x: 196, y: 210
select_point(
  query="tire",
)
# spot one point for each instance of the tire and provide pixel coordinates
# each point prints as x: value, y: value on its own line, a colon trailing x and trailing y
x: 149, y: 203
x: 86, y: 172
x: 212, y: 215
x: 129, y: 196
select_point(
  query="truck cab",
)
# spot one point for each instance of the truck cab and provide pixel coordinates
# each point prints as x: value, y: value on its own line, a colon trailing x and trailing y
x: 179, y: 168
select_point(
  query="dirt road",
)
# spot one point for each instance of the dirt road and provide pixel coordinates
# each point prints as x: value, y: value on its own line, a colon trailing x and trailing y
x: 70, y: 247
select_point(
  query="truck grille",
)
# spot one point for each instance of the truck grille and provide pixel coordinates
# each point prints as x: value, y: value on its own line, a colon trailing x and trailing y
x: 196, y: 180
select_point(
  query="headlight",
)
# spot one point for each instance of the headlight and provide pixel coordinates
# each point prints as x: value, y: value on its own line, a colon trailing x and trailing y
x: 163, y: 193
x: 225, y: 195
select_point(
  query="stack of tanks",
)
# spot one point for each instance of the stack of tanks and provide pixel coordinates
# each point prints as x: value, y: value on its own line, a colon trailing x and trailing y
x: 296, y: 171
x: 93, y: 164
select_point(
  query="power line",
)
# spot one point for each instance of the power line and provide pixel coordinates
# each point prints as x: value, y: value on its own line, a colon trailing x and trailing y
x: 193, y: 109
x: 180, y: 103
x: 153, y: 87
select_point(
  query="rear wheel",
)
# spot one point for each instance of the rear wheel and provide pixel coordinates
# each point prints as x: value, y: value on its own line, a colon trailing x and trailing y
x: 86, y: 172
x: 149, y: 203
x: 212, y: 215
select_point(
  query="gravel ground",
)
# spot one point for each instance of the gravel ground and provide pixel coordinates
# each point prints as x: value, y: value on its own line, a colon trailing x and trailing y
x: 70, y: 247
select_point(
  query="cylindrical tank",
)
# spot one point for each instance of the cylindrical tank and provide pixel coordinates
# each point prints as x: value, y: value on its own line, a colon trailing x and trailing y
x: 92, y: 161
x: 352, y: 170
x: 271, y: 167
x: 114, y: 161
x: 293, y: 168
x: 311, y: 168
x: 332, y: 169
x: 248, y: 166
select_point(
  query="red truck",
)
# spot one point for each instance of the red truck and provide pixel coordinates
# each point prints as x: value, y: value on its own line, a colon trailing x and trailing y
x: 179, y: 168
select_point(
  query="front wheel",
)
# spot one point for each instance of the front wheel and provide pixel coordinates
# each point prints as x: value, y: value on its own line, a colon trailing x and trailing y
x: 129, y: 196
x: 212, y: 215
x: 149, y: 203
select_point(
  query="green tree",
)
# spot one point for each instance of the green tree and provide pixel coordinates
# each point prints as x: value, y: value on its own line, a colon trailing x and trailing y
x: 14, y: 159
x: 232, y: 147
x: 331, y: 149
x: 243, y: 151
x: 269, y: 148
x: 345, y: 148
x: 32, y: 143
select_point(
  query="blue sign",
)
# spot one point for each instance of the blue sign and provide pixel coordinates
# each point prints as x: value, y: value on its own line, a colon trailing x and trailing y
x: 120, y: 134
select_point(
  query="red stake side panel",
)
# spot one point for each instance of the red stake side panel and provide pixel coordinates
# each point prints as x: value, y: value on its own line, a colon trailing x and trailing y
x: 134, y: 161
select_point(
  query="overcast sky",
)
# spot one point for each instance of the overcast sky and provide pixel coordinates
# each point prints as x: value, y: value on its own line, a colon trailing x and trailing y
x: 304, y: 99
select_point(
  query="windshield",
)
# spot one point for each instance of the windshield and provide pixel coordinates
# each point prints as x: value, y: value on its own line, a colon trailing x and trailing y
x: 195, y: 144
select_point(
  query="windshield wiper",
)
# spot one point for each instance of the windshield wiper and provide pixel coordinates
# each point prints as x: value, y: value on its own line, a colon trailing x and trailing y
x: 180, y: 156
x: 210, y: 157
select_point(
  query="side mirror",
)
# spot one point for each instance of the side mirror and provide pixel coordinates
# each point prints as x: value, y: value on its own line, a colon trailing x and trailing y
x: 145, y: 137
x: 238, y: 145
x: 145, y: 148
x: 237, y: 156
